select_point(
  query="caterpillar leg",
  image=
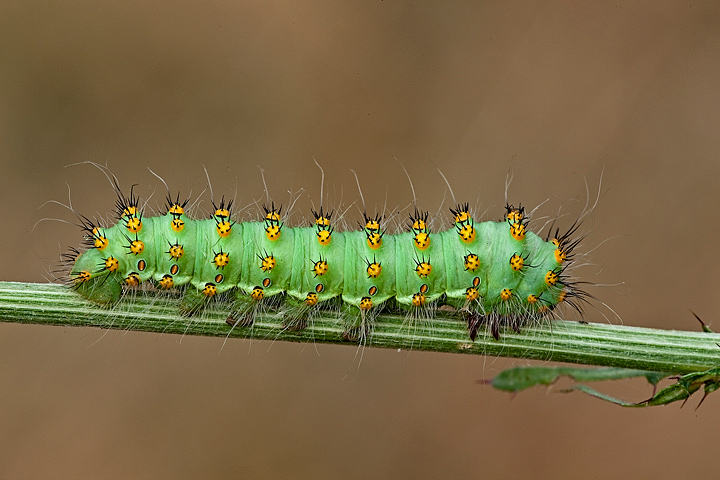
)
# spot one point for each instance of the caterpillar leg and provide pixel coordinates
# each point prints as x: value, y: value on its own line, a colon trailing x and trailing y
x: 245, y: 306
x: 296, y: 313
x: 493, y: 322
x: 242, y: 309
x: 358, y: 322
x: 193, y: 301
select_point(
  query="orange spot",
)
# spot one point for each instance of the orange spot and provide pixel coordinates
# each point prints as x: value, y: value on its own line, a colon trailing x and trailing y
x: 224, y: 228
x: 472, y: 262
x: 461, y: 213
x: 311, y: 299
x: 133, y: 224
x: 324, y: 237
x: 221, y: 259
x: 210, y: 290
x: 112, y: 264
x: 176, y: 209
x: 177, y: 224
x: 320, y: 268
x: 176, y: 251
x: 100, y: 241
x: 517, y: 230
x: 166, y: 282
x: 132, y: 280
x: 467, y: 233
x: 81, y: 277
x: 472, y: 294
x: 422, y: 240
x: 551, y: 278
x: 366, y: 303
x: 137, y: 247
x: 268, y: 263
x: 517, y: 262
x: 514, y: 215
x: 423, y: 269
x: 374, y: 239
x: 374, y: 270
x: 372, y: 224
x: 130, y: 210
x: 273, y: 232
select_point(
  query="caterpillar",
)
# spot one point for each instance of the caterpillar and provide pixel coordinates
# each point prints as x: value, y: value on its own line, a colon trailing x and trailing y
x: 490, y: 273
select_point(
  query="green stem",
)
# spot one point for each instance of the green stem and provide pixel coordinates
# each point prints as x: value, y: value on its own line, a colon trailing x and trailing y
x: 675, y: 352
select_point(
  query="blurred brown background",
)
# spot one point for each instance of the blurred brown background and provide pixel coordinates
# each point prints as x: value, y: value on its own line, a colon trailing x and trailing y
x: 556, y: 91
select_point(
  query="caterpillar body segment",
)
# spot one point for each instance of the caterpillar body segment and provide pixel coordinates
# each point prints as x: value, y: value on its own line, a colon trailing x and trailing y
x: 174, y: 258
x: 324, y: 272
x: 369, y: 272
x: 498, y: 273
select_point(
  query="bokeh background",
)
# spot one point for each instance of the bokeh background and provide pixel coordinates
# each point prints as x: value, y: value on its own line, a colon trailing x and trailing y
x: 562, y: 94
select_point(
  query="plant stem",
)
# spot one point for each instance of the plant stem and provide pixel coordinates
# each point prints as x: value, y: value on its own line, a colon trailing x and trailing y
x: 674, y: 352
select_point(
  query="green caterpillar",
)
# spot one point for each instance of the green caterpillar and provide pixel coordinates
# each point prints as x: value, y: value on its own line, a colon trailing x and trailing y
x: 493, y: 273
